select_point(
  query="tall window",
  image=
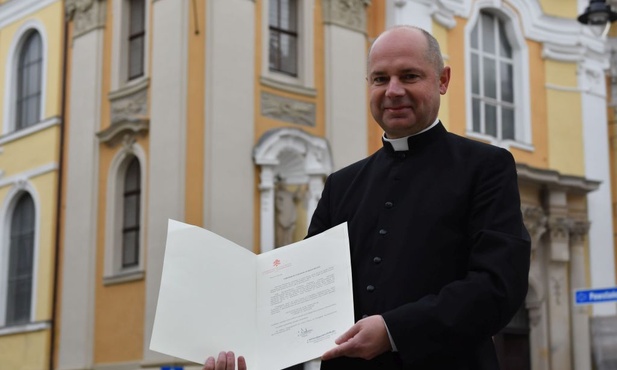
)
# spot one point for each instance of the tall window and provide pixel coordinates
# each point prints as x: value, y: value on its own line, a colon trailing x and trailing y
x: 29, y: 71
x: 492, y: 79
x: 137, y: 37
x: 19, y: 282
x: 283, y: 26
x: 131, y: 215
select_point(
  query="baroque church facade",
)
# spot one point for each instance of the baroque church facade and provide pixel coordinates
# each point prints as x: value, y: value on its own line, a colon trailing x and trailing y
x: 230, y: 114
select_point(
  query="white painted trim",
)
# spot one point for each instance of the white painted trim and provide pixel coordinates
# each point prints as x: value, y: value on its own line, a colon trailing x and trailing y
x: 15, y: 135
x: 25, y: 328
x: 11, y: 71
x: 29, y: 174
x: 506, y: 144
x: 306, y: 54
x: 14, y: 11
x: 23, y: 185
x: 113, y: 213
x: 520, y: 58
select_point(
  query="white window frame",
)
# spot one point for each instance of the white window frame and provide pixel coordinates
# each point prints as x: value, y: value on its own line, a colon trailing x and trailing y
x: 6, y: 214
x: 113, y: 270
x: 304, y: 83
x: 120, y: 46
x: 10, y: 81
x: 520, y: 64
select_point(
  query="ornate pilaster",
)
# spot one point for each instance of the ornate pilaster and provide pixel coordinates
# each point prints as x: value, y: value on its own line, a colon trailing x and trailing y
x: 87, y: 15
x: 559, y: 228
x: 350, y: 14
x: 581, y: 355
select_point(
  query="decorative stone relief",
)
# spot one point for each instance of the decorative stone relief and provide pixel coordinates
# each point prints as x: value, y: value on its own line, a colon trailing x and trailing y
x: 288, y: 110
x: 604, y: 332
x: 578, y: 231
x: 349, y: 14
x: 87, y: 15
x: 559, y: 228
x: 557, y: 284
x: 535, y: 221
x: 132, y: 107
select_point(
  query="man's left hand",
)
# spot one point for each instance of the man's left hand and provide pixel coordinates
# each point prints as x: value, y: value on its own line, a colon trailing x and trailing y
x: 367, y: 339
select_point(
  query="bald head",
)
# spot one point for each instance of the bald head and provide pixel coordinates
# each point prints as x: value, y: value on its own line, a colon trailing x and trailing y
x: 432, y: 52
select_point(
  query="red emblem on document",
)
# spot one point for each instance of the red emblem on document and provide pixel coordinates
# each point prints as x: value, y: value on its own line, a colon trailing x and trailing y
x: 276, y: 262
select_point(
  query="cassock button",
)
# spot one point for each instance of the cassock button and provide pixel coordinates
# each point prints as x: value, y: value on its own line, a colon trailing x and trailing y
x: 377, y: 260
x: 370, y: 288
x: 389, y: 204
x: 383, y: 232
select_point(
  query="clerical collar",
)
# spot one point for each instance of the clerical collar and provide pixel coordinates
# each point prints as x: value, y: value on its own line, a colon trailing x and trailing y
x: 401, y: 144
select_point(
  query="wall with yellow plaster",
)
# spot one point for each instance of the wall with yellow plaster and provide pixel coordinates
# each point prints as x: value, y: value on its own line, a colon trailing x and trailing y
x: 454, y: 105
x: 560, y: 8
x: 30, y: 152
x: 563, y: 102
x: 29, y: 351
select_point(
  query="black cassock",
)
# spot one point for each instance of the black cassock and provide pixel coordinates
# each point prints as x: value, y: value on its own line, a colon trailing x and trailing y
x: 438, y: 248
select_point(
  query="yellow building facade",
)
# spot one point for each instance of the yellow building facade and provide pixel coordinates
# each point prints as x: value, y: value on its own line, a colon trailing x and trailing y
x: 31, y: 62
x: 230, y: 114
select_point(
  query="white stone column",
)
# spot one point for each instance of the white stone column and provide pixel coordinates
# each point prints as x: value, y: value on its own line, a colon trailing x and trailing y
x: 581, y: 356
x: 76, y: 339
x: 601, y: 251
x: 558, y: 285
x: 266, y: 187
x: 345, y: 78
x: 166, y: 181
x: 229, y: 186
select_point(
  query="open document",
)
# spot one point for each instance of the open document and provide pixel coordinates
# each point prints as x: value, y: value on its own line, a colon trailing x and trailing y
x: 277, y: 309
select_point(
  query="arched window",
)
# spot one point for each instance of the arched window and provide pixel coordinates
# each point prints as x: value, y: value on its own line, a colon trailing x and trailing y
x: 20, y: 269
x: 131, y: 215
x: 29, y: 82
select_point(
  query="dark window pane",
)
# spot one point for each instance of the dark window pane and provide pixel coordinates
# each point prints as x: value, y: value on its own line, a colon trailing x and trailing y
x: 507, y: 83
x: 137, y: 19
x: 476, y: 114
x: 136, y: 57
x: 475, y: 74
x: 488, y: 33
x: 130, y: 250
x: 490, y: 75
x: 131, y: 214
x: 21, y: 250
x: 505, y: 50
x: 28, y: 100
x: 283, y: 39
x: 474, y: 37
x: 507, y: 123
x: 490, y: 120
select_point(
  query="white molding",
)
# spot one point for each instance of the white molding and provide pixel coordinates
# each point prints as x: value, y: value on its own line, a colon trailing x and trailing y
x: 21, y: 186
x: 13, y: 11
x: 520, y: 58
x: 113, y: 212
x: 15, y: 135
x: 11, y: 71
x: 506, y: 144
x: 316, y: 164
x: 306, y: 55
x: 29, y: 174
x: 25, y: 328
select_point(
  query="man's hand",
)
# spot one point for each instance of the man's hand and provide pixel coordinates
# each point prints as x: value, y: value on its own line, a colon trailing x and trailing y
x: 226, y: 361
x: 367, y: 339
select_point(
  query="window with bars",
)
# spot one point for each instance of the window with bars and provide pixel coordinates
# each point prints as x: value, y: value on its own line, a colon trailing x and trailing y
x: 283, y: 29
x: 492, y: 79
x: 21, y: 255
x: 137, y: 37
x: 131, y: 215
x: 29, y: 76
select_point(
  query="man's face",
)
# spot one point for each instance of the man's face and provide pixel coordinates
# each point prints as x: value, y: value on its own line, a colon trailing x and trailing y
x: 404, y: 85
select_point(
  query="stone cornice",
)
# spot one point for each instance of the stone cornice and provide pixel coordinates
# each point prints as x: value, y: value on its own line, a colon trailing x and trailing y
x: 87, y: 15
x: 554, y: 180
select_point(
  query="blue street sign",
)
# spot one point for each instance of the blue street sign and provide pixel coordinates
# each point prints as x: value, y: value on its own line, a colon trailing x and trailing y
x: 172, y: 368
x: 590, y: 296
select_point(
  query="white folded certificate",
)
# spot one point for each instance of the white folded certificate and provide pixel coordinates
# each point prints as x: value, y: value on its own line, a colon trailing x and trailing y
x: 277, y: 309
